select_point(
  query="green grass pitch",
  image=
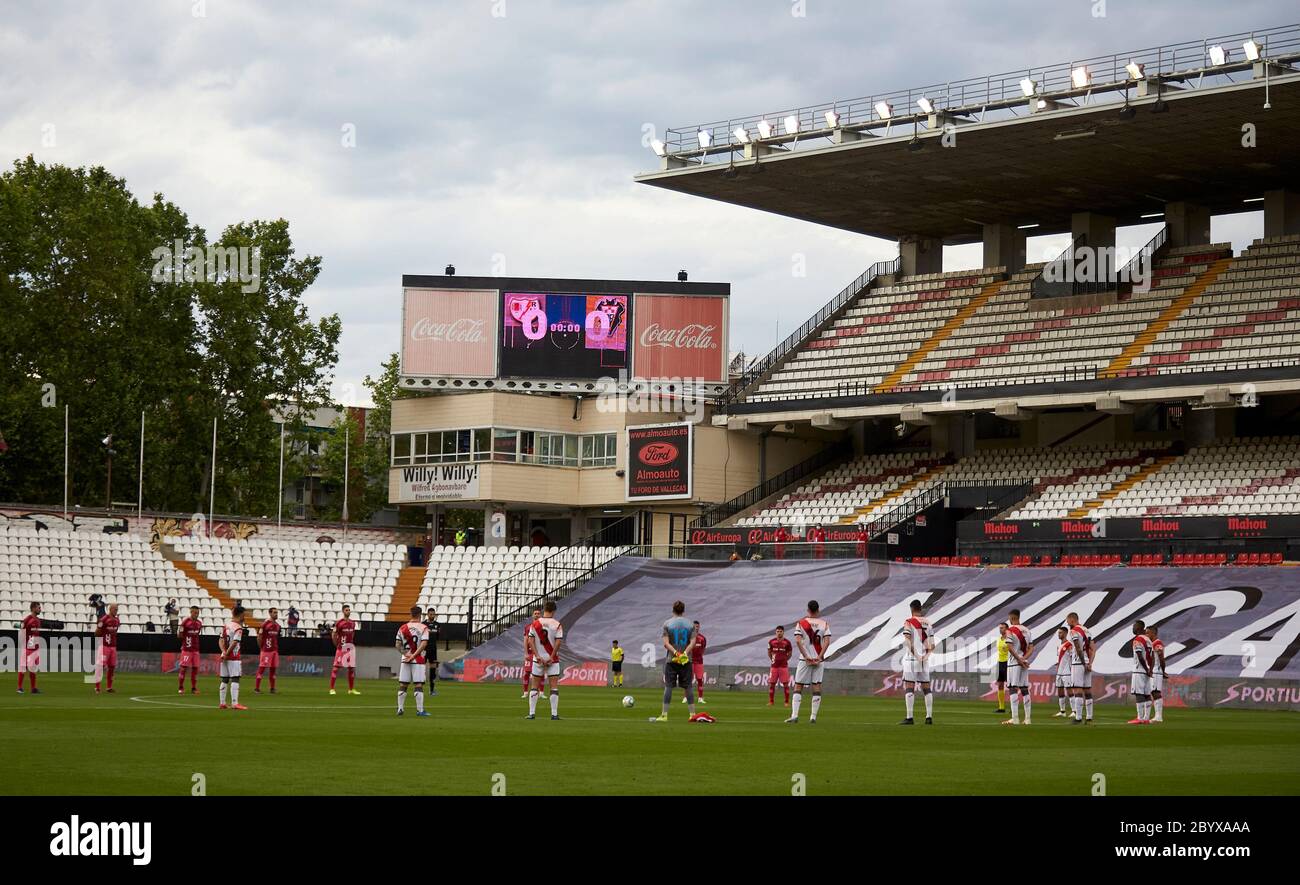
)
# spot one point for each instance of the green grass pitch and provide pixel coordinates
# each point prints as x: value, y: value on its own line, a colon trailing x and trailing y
x: 147, y: 740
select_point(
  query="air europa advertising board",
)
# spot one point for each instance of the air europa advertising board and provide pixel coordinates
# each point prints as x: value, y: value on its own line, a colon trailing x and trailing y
x: 659, y: 462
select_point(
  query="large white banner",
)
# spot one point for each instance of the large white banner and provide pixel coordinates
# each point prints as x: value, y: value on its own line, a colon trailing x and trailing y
x: 437, y: 482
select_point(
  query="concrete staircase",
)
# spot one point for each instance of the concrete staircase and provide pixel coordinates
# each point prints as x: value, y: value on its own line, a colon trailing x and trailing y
x: 405, y: 594
x: 1111, y: 493
x: 200, y: 577
x: 1166, y: 317
x: 940, y: 335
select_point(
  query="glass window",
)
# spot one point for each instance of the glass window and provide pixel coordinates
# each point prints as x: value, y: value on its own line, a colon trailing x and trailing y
x: 505, y: 444
x: 448, y: 445
x: 420, y: 452
x: 570, y: 450
x: 600, y: 450
x: 482, y: 444
x: 402, y: 448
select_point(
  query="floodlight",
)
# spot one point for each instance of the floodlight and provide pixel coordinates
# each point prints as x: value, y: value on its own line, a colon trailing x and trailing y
x: 742, y: 135
x: 764, y: 129
x: 1136, y: 71
x: 705, y: 137
x: 1218, y: 55
x: 1080, y: 77
x: 926, y: 106
x: 1028, y: 87
x: 659, y: 148
x: 833, y: 119
x: 1252, y: 50
x: 792, y: 124
x: 884, y: 109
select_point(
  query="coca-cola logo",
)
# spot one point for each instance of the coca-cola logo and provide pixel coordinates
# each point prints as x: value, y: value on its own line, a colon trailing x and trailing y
x: 461, y: 331
x: 692, y: 336
x: 657, y: 454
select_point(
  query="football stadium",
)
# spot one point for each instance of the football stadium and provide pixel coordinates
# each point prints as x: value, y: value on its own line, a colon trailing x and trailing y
x: 1015, y: 512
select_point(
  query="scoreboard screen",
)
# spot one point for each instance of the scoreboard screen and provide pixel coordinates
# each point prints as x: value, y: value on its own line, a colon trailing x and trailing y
x: 561, y: 335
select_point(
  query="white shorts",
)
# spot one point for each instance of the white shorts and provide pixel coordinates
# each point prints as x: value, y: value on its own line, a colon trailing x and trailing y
x: 543, y: 670
x: 808, y: 674
x: 1017, y: 676
x: 1062, y: 680
x: 915, y: 671
x: 230, y: 668
x: 1157, y: 682
x: 409, y: 672
x: 1141, y: 683
x: 1079, y: 677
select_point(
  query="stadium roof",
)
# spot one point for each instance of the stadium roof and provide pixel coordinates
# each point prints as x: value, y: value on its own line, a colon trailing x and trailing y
x: 892, y: 177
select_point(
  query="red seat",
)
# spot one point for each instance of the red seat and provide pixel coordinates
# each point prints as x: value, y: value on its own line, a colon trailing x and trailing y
x: 1275, y: 558
x: 944, y: 561
x: 1045, y: 561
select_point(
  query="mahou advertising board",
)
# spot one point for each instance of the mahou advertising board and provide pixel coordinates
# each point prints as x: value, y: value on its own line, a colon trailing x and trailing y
x: 659, y: 462
x: 680, y: 336
x: 449, y: 332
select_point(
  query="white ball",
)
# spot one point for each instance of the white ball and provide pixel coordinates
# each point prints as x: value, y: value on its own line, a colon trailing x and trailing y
x: 628, y: 700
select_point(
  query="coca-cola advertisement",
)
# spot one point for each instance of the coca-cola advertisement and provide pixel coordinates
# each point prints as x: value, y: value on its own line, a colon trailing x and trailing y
x: 659, y: 462
x: 545, y: 335
x: 449, y: 333
x: 681, y: 336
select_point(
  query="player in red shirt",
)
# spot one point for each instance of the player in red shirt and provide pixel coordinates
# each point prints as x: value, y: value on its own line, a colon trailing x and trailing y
x: 818, y: 536
x: 864, y: 538
x: 345, y: 650
x: 191, y: 630
x: 106, y: 631
x: 528, y: 654
x: 1158, y: 676
x: 779, y: 650
x: 697, y: 664
x: 268, y: 640
x: 782, y: 535
x: 30, y: 638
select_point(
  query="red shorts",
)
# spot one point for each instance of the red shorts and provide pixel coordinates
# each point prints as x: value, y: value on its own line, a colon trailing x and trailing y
x: 189, y: 659
x: 108, y: 657
x: 269, y: 659
x: 31, y: 660
x: 345, y: 657
x: 699, y: 672
x: 778, y: 674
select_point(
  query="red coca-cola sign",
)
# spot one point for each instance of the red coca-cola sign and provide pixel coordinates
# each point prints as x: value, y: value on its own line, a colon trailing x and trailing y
x: 680, y: 336
x: 449, y: 333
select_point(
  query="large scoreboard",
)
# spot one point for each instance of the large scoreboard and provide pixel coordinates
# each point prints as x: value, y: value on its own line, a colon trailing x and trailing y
x: 578, y: 336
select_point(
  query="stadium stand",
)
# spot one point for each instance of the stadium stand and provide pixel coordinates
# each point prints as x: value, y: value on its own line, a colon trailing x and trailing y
x: 877, y: 332
x: 854, y: 490
x: 1250, y: 313
x: 62, y: 569
x: 1229, y: 477
x: 455, y: 574
x: 317, y: 579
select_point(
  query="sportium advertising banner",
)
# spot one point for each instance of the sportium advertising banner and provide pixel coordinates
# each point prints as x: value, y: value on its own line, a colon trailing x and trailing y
x: 680, y: 336
x: 449, y: 332
x: 659, y: 462
x: 564, y: 336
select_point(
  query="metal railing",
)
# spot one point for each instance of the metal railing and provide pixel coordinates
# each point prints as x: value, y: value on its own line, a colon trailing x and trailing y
x: 718, y: 512
x: 759, y: 368
x: 996, y: 96
x: 510, y: 599
x: 909, y: 507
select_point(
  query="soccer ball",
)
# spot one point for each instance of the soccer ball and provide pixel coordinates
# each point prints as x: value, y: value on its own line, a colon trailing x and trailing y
x: 628, y: 700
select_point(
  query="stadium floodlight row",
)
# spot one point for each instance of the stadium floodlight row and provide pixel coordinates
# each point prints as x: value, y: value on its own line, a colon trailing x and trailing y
x: 1189, y: 64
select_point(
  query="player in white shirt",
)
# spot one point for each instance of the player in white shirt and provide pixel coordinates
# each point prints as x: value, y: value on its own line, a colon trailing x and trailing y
x: 1020, y: 645
x: 1144, y: 664
x: 544, y: 638
x: 1062, y: 673
x: 230, y: 640
x: 1157, y: 677
x: 1082, y: 652
x: 812, y: 635
x: 917, y: 645
x: 412, y: 640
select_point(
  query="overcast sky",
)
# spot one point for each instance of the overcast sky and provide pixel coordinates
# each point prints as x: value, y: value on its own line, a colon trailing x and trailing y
x: 502, y: 135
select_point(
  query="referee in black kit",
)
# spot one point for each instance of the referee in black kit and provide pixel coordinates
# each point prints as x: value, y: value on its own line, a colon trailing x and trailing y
x: 431, y: 650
